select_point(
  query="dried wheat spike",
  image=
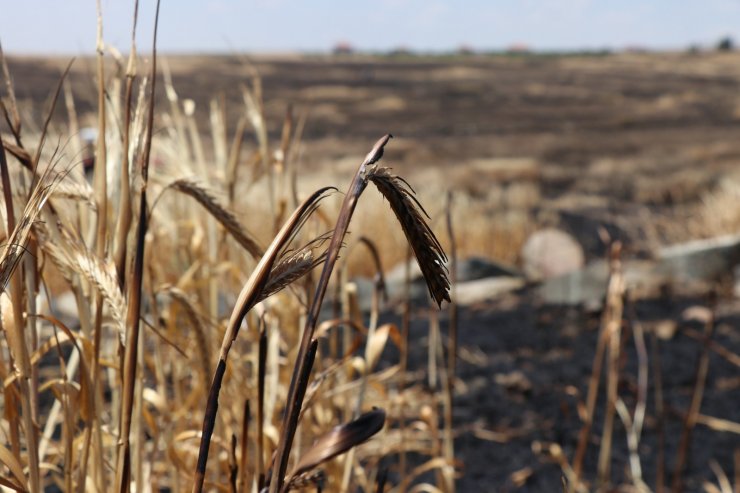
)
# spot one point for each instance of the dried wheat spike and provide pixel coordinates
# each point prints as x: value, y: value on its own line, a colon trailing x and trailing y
x: 227, y: 219
x: 411, y: 215
x: 294, y: 265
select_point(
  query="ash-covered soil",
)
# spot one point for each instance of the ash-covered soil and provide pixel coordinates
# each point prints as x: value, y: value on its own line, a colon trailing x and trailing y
x: 524, y: 367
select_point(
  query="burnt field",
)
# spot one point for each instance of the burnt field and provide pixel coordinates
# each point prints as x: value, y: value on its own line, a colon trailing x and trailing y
x: 642, y: 148
x: 633, y: 140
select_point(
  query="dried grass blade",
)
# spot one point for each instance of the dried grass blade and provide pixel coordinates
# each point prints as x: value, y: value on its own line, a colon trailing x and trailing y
x: 253, y: 104
x: 233, y: 160
x: 22, y: 155
x: 123, y: 223
x: 301, y: 386
x: 376, y: 343
x: 7, y: 188
x: 11, y: 398
x: 13, y: 117
x: 201, y: 336
x: 86, y: 398
x: 12, y: 485
x: 16, y: 469
x: 45, y: 129
x: 697, y: 395
x: 123, y: 466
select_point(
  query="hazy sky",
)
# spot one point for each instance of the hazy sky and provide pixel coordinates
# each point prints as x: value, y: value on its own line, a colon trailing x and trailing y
x: 68, y: 26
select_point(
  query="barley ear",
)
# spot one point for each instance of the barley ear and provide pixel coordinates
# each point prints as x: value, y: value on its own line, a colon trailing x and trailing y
x: 424, y: 243
x: 228, y: 220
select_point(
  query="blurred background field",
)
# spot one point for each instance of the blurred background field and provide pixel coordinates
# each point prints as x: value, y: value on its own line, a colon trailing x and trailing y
x: 593, y: 193
x: 643, y: 142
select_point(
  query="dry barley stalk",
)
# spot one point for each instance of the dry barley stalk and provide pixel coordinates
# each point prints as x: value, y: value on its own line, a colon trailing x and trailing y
x: 123, y: 467
x: 697, y: 394
x: 123, y: 224
x: 591, y: 396
x: 11, y: 398
x: 428, y: 252
x: 613, y: 319
x: 251, y: 294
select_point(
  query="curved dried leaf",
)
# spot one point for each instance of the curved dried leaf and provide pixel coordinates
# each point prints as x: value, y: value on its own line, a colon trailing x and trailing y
x: 427, y: 249
x: 11, y: 484
x: 358, y: 365
x: 375, y: 255
x: 324, y: 327
x: 430, y: 465
x: 377, y: 341
x: 86, y: 352
x: 339, y: 440
x: 202, y: 336
x: 425, y: 488
x: 7, y: 458
x: 60, y: 388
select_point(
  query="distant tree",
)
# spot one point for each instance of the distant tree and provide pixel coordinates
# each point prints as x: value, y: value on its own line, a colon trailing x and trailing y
x: 726, y: 44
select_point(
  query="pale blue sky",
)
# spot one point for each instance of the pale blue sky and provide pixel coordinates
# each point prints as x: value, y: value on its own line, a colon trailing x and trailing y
x: 68, y: 26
